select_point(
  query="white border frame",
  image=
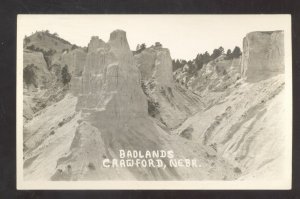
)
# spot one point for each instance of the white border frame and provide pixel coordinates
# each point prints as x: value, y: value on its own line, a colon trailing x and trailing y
x: 284, y: 184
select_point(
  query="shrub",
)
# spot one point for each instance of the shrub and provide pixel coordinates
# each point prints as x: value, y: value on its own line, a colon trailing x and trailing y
x: 74, y: 47
x: 26, y: 40
x: 153, y: 108
x: 91, y: 166
x: 187, y: 133
x: 66, y: 77
x: 236, y: 53
x: 29, y: 75
x: 139, y: 48
x: 237, y: 170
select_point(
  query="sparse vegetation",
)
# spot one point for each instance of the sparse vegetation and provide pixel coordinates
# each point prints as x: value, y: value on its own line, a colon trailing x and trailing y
x: 46, y: 53
x: 202, y: 59
x: 139, y: 48
x: 178, y: 63
x: 26, y: 40
x: 74, y: 47
x: 29, y: 75
x: 66, y: 77
x: 237, y: 170
x: 91, y: 166
x: 55, y: 36
x: 187, y: 133
x: 236, y: 53
x: 158, y: 44
x: 214, y: 146
x: 153, y: 108
x: 217, y: 52
x: 49, y: 52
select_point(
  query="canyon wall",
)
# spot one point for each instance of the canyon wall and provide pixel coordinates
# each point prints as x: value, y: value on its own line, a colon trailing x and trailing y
x: 156, y: 63
x: 263, y: 55
x: 35, y: 69
x: 110, y: 81
x: 75, y: 60
x: 167, y: 102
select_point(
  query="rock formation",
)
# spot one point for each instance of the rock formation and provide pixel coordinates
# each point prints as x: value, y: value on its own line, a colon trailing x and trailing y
x: 263, y: 55
x: 35, y: 69
x: 244, y: 125
x: 95, y: 43
x: 216, y: 75
x: 111, y: 80
x: 167, y: 102
x: 242, y: 122
x: 75, y: 60
x: 156, y: 63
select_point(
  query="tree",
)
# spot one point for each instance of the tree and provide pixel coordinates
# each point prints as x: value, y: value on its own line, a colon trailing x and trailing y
x: 138, y: 47
x: 66, y: 77
x: 179, y: 63
x: 31, y: 47
x: 26, y: 40
x: 236, y: 52
x: 221, y: 49
x: 228, y: 53
x: 216, y: 53
x: 158, y: 44
x: 143, y: 46
x: 29, y: 75
x: 206, y: 57
x: 153, y: 108
x: 74, y: 47
x: 199, y: 61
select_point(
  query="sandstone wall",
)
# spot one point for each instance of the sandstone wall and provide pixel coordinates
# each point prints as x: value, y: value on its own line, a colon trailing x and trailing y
x: 95, y: 43
x: 156, y: 63
x: 263, y: 55
x: 168, y: 103
x: 75, y: 60
x: 110, y: 83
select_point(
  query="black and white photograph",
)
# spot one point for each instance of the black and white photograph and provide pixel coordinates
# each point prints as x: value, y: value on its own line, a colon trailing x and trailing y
x: 154, y: 101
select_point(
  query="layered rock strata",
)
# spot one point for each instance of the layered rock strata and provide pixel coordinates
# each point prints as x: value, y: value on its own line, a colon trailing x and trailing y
x: 111, y: 81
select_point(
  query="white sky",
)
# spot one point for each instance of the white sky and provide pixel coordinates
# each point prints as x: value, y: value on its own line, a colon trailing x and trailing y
x: 184, y: 35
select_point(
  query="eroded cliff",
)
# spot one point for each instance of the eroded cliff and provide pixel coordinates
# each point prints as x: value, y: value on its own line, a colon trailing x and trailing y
x: 263, y: 55
x: 167, y: 102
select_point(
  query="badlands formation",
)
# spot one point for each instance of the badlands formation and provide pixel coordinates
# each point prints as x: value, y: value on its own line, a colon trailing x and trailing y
x: 169, y: 103
x: 222, y: 116
x: 267, y: 49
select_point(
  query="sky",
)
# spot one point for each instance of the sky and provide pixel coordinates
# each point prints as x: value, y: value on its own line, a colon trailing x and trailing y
x: 184, y: 35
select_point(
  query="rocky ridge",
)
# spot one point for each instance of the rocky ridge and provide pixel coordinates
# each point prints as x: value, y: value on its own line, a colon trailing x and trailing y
x: 263, y: 55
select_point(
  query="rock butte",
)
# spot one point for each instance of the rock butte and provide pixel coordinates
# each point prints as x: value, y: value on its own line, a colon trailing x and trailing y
x: 263, y: 55
x: 75, y: 60
x: 173, y: 103
x: 110, y: 81
x: 156, y: 63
